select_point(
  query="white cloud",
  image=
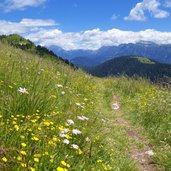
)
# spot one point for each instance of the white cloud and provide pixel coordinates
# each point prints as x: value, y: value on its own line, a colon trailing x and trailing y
x: 10, y: 5
x: 152, y: 6
x: 37, y: 22
x: 44, y: 33
x: 94, y: 39
x: 24, y: 26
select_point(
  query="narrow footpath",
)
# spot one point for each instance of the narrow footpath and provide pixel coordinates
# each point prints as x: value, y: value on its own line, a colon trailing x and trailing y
x: 140, y: 149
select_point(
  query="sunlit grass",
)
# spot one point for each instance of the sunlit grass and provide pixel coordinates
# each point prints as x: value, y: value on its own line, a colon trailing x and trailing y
x: 49, y: 117
x: 149, y: 106
x: 53, y: 117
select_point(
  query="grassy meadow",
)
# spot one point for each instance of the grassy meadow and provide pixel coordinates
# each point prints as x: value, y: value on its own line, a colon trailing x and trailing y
x: 148, y: 106
x: 55, y: 117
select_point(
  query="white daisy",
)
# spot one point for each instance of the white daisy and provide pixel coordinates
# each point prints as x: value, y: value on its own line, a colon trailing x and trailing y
x: 76, y: 147
x: 82, y: 118
x: 78, y: 104
x: 63, y: 92
x: 62, y: 135
x: 23, y: 90
x: 64, y: 131
x: 59, y: 86
x: 65, y: 141
x: 76, y: 131
x: 70, y: 122
x: 85, y: 118
x: 87, y: 139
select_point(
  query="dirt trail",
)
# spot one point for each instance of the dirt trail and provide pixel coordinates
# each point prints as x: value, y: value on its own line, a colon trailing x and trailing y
x: 141, y: 150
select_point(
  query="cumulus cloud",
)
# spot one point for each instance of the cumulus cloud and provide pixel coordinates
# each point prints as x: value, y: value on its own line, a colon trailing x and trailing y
x: 152, y: 6
x: 24, y: 26
x: 44, y: 33
x: 10, y: 5
x: 96, y: 38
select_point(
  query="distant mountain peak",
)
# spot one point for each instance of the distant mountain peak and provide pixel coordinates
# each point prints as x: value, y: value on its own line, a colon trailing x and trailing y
x: 146, y: 42
x: 158, y: 52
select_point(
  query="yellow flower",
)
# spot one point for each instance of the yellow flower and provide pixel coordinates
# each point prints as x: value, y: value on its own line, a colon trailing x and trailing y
x: 16, y: 127
x: 22, y: 136
x: 35, y: 138
x: 61, y: 169
x: 4, y: 159
x: 61, y: 128
x: 104, y: 167
x: 68, y: 136
x: 47, y: 123
x: 46, y: 153
x: 32, y: 169
x: 34, y: 120
x: 65, y: 164
x: 39, y: 128
x: 37, y: 155
x: 50, y: 142
x: 54, y: 139
x: 23, y: 165
x: 66, y: 124
x: 1, y: 116
x: 23, y: 153
x: 79, y: 151
x: 14, y: 122
x: 23, y: 144
x: 19, y: 158
x: 99, y: 161
x: 36, y: 159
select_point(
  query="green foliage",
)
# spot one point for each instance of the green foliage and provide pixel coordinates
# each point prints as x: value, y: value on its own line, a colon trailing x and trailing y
x: 132, y: 66
x: 17, y: 41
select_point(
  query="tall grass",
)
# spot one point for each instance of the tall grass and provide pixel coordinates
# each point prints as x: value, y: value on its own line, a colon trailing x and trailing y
x: 36, y: 128
x: 49, y: 117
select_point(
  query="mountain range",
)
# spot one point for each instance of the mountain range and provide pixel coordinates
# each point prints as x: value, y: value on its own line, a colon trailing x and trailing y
x: 84, y: 58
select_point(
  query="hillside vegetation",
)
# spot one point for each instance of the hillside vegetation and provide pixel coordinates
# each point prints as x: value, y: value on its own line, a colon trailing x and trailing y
x: 132, y: 66
x: 55, y: 117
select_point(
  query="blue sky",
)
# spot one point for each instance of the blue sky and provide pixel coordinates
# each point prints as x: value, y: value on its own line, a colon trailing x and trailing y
x: 87, y: 24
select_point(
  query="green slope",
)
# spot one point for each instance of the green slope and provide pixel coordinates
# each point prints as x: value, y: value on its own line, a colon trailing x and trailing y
x: 40, y: 125
x: 132, y: 66
x: 19, y: 42
x: 39, y: 99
